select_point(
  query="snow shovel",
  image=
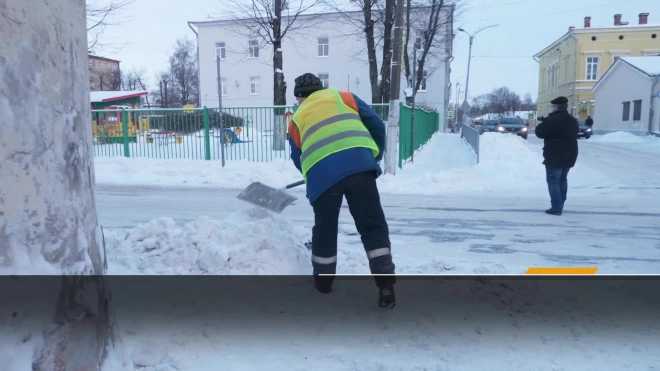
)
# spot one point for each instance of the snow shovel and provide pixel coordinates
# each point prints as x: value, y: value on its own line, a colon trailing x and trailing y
x: 269, y: 198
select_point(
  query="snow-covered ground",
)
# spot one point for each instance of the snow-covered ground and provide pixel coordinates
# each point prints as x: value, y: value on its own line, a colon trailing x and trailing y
x: 447, y: 214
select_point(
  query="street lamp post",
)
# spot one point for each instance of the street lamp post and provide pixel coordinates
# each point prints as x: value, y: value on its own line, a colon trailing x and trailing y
x: 467, y: 79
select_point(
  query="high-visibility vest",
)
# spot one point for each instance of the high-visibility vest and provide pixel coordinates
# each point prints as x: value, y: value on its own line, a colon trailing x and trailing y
x: 327, y: 125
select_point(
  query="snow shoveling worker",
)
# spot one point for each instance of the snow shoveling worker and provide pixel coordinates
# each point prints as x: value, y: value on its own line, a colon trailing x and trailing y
x: 336, y: 142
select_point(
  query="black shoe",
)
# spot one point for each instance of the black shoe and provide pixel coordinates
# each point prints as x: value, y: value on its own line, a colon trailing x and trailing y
x: 553, y: 212
x: 386, y: 298
x: 323, y: 288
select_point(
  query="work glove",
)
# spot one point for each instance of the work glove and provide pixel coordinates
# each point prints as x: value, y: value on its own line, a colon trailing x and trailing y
x: 379, y: 171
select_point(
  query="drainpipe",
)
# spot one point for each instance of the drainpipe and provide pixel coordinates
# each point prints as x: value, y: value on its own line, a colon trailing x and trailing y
x: 656, y: 79
x: 199, y: 82
x: 575, y: 70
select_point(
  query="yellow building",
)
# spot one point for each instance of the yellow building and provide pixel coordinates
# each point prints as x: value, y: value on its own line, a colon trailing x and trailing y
x: 573, y: 64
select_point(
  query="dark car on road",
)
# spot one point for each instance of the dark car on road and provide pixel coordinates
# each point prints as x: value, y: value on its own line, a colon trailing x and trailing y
x: 489, y: 125
x: 583, y: 130
x: 512, y: 125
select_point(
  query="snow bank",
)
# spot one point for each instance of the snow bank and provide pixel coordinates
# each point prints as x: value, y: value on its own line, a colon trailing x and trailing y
x: 619, y: 137
x: 182, y: 172
x: 447, y: 165
x: 250, y: 241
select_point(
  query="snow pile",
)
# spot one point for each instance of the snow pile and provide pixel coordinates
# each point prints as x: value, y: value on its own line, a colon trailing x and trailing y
x: 250, y: 241
x: 182, y: 172
x: 619, y: 137
x: 447, y: 165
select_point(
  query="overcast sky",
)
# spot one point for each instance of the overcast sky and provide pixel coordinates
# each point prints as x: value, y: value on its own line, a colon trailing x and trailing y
x: 501, y: 56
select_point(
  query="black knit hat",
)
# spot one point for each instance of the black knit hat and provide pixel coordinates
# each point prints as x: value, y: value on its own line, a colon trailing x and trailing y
x: 559, y: 100
x: 306, y: 84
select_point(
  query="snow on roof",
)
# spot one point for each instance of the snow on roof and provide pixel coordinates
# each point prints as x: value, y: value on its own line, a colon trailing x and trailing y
x: 649, y: 64
x: 630, y: 25
x: 109, y: 96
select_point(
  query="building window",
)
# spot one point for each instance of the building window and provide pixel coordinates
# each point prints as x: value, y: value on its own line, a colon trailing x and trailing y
x: 220, y: 50
x: 254, y: 49
x: 637, y: 110
x: 566, y: 77
x: 223, y: 85
x: 254, y: 85
x: 592, y: 68
x: 325, y: 79
x: 626, y: 111
x: 324, y: 47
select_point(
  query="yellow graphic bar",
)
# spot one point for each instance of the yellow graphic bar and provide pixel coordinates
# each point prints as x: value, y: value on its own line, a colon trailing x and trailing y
x: 561, y: 271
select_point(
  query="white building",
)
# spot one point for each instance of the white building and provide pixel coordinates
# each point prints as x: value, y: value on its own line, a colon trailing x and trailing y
x: 332, y: 49
x: 628, y: 96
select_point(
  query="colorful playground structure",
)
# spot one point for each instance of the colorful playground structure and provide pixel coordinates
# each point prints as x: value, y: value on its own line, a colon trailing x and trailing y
x: 108, y: 126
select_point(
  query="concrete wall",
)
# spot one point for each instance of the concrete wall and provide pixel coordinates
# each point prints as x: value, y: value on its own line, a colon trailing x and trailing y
x: 346, y: 64
x: 623, y: 84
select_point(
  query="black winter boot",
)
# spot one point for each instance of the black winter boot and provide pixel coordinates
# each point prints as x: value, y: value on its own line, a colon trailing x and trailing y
x: 323, y: 284
x: 386, y: 298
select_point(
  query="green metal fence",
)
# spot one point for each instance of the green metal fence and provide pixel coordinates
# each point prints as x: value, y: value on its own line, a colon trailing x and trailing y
x: 416, y: 127
x: 240, y: 133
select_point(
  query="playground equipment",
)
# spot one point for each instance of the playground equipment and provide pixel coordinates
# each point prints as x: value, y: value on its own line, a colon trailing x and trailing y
x: 109, y: 127
x: 230, y: 136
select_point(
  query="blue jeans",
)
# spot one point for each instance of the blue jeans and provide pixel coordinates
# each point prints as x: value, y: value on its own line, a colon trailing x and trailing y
x: 557, y: 179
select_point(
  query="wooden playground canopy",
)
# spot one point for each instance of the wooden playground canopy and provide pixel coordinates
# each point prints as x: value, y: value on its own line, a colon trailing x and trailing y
x: 103, y: 99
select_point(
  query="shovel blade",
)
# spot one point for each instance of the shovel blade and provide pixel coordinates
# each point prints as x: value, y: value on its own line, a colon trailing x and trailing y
x: 266, y: 197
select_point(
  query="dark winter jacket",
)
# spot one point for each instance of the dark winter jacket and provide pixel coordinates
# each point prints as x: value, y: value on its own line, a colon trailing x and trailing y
x: 339, y: 165
x: 560, y: 145
x: 589, y: 122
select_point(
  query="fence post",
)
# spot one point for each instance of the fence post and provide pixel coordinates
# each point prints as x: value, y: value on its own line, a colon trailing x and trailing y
x: 207, y: 135
x: 400, y: 141
x: 124, y: 129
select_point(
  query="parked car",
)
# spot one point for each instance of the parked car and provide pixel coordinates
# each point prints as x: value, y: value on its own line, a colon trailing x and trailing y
x: 512, y: 125
x: 488, y: 126
x: 583, y: 130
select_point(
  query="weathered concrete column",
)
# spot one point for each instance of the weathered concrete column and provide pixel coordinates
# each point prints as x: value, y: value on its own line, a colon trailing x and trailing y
x: 48, y: 220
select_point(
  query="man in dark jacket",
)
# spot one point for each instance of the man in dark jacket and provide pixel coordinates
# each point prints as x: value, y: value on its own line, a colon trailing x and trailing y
x: 336, y: 142
x: 560, y: 150
x: 589, y: 122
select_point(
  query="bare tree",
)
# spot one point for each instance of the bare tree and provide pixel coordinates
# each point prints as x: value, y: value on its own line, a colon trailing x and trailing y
x: 480, y: 105
x: 503, y: 101
x: 365, y: 26
x: 387, y: 11
x: 528, y: 104
x: 183, y: 71
x: 106, y: 79
x: 269, y: 22
x: 101, y: 14
x: 430, y: 20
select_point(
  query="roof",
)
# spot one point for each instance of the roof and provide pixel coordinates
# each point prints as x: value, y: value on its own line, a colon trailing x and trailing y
x: 556, y: 42
x: 583, y: 30
x: 612, y: 27
x: 649, y: 66
x: 309, y: 14
x: 102, y: 58
x: 111, y: 96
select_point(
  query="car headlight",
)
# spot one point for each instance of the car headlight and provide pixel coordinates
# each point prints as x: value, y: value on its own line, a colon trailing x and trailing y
x: 500, y: 129
x: 523, y: 129
x: 588, y: 130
